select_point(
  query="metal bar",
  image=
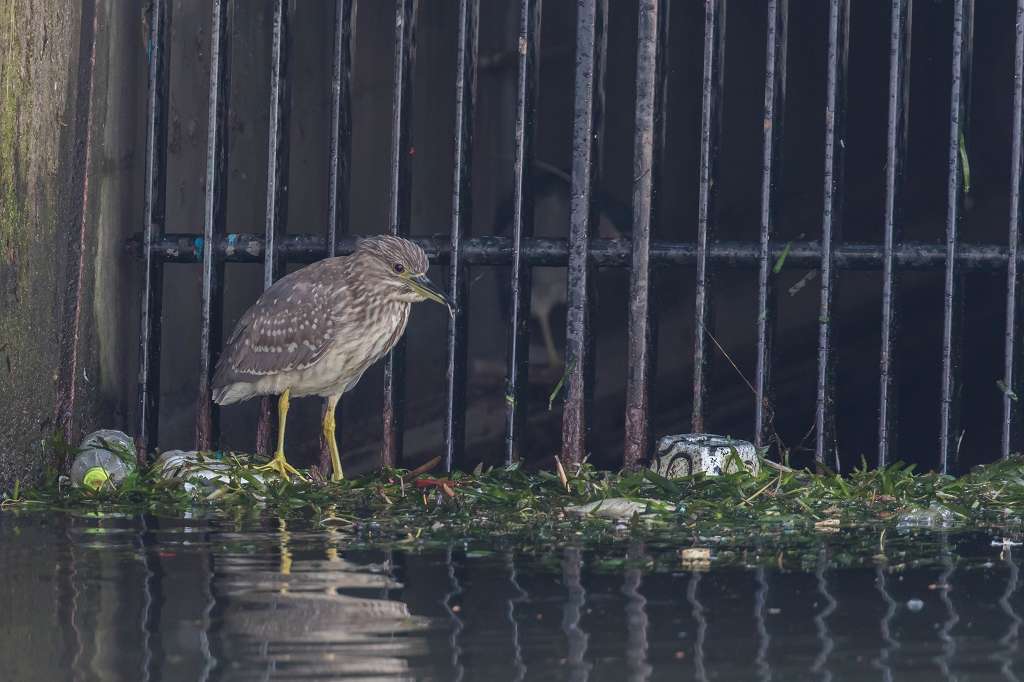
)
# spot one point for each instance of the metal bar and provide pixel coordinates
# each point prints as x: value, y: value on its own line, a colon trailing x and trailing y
x: 896, y: 144
x: 711, y: 119
x: 307, y: 248
x: 462, y: 220
x: 153, y: 220
x: 835, y: 115
x: 771, y: 161
x: 341, y: 123
x: 962, y: 11
x: 1010, y: 414
x: 399, y: 212
x: 277, y: 182
x: 339, y: 172
x: 207, y: 414
x: 522, y: 223
x: 591, y: 23
x: 648, y: 110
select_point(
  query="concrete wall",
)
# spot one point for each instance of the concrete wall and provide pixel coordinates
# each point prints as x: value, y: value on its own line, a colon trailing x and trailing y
x: 70, y: 145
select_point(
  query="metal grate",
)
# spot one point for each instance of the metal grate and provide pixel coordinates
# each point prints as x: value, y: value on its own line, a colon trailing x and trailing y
x: 581, y: 253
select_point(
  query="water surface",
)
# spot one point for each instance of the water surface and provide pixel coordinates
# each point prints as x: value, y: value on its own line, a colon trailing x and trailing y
x: 128, y: 597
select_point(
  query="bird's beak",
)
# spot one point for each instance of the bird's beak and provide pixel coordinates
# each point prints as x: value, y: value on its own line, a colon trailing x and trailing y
x: 426, y: 288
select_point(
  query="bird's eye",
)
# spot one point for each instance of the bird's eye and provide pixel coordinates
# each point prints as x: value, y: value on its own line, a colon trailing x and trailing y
x: 399, y: 268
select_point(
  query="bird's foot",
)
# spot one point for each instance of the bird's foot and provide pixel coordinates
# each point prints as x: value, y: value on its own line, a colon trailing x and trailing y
x: 281, y: 467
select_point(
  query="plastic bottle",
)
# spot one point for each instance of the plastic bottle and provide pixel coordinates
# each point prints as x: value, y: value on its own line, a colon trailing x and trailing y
x: 104, y: 458
x: 95, y: 468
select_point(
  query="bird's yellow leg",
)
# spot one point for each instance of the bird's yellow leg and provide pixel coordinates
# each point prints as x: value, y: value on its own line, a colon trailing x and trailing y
x: 279, y: 464
x: 332, y: 444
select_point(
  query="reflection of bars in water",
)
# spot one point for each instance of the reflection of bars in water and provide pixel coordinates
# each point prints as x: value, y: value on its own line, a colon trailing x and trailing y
x: 581, y: 253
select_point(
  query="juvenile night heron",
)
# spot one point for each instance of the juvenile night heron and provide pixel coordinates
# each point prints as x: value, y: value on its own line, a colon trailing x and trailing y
x: 316, y: 330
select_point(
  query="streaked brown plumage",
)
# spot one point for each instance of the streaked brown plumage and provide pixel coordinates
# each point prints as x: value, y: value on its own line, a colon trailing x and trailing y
x: 318, y: 329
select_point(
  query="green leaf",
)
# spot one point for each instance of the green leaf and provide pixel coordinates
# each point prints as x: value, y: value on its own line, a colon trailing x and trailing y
x: 965, y: 164
x: 777, y: 268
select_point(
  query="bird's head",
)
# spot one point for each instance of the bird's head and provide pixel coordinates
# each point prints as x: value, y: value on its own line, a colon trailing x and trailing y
x: 400, y: 266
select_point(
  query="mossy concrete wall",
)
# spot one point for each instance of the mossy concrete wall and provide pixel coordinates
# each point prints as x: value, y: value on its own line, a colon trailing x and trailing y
x: 70, y: 142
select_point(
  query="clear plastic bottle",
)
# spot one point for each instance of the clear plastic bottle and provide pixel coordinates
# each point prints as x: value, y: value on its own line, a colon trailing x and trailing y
x: 96, y: 468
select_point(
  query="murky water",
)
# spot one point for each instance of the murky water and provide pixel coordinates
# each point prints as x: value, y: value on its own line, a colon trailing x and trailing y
x: 85, y: 597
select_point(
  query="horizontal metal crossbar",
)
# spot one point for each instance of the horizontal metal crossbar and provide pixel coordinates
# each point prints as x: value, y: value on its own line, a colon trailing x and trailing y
x: 307, y: 248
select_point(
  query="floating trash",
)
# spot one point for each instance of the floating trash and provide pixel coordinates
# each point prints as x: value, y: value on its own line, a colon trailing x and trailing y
x: 616, y: 508
x: 200, y: 472
x: 934, y: 516
x: 104, y: 459
x: 692, y: 453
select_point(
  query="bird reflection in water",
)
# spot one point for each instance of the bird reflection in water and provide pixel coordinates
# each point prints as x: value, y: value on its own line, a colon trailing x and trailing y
x: 305, y: 617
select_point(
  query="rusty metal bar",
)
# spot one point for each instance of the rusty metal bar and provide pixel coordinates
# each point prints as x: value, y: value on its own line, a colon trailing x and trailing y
x: 711, y: 123
x: 207, y: 414
x: 896, y: 145
x: 339, y: 171
x: 277, y: 183
x: 963, y: 12
x: 462, y: 220
x: 648, y: 111
x: 489, y: 250
x: 835, y: 115
x: 1011, y: 414
x: 153, y: 220
x: 399, y: 212
x: 522, y: 224
x: 591, y: 38
x: 771, y: 161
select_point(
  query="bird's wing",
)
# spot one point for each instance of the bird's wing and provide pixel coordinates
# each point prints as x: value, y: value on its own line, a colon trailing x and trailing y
x: 289, y: 328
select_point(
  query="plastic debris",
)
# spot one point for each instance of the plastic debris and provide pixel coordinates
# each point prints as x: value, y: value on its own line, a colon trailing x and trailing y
x: 692, y: 453
x: 104, y: 459
x: 200, y: 472
x: 613, y: 508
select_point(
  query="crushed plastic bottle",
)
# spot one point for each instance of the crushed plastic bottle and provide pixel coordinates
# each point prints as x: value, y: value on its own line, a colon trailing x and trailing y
x: 200, y: 473
x: 96, y: 468
x: 110, y: 439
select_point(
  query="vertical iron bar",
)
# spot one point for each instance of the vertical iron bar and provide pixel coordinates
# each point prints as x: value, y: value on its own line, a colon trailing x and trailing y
x: 649, y: 63
x: 522, y: 224
x: 896, y: 142
x: 711, y: 118
x: 1010, y: 414
x: 771, y: 161
x: 341, y: 124
x: 835, y: 114
x: 153, y: 217
x: 462, y: 220
x: 277, y: 182
x: 339, y: 172
x: 591, y: 32
x: 963, y: 10
x: 207, y: 414
x: 399, y: 212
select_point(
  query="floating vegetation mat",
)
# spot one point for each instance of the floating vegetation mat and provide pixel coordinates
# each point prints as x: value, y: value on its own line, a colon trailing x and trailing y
x: 398, y: 506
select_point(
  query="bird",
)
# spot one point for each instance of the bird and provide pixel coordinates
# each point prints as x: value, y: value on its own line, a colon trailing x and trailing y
x: 316, y: 331
x: 551, y: 187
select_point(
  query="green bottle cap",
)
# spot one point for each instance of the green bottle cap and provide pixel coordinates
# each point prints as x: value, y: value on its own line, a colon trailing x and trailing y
x: 95, y: 477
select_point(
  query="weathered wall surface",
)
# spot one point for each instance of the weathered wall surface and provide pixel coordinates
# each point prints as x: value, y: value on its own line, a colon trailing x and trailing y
x: 68, y: 147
